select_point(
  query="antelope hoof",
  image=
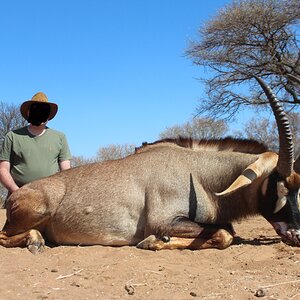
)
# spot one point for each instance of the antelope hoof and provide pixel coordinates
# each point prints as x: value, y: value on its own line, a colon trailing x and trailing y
x: 151, y: 243
x: 35, y: 242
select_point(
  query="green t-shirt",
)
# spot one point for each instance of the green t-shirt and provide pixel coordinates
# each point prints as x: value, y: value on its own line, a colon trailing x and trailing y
x: 33, y: 157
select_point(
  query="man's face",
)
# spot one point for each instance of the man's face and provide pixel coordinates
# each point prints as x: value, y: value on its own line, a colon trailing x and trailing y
x: 38, y: 113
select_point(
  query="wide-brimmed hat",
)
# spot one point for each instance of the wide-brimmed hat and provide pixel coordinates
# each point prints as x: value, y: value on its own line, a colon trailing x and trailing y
x: 38, y: 98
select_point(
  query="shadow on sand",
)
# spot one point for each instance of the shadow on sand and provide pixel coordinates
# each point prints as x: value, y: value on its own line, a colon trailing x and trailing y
x: 262, y: 240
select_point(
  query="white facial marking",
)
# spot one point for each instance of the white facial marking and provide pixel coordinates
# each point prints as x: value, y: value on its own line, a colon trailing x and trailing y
x: 280, y: 204
x: 282, y: 192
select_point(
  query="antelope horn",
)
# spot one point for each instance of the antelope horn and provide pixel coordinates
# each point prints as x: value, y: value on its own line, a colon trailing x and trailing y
x: 286, y: 146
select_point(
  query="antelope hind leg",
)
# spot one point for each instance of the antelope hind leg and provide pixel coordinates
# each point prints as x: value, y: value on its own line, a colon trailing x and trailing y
x: 185, y: 234
x: 32, y: 239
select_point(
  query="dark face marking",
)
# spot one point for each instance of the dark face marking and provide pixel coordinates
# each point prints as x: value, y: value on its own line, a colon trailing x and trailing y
x: 293, y: 209
x: 250, y: 174
x: 286, y: 221
x: 269, y: 198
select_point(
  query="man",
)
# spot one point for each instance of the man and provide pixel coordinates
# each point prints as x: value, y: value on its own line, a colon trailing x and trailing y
x: 34, y: 151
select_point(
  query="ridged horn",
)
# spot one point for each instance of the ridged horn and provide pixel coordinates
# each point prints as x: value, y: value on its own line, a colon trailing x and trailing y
x: 286, y: 145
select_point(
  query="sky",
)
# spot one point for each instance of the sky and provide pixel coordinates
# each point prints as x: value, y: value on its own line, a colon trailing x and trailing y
x: 116, y: 68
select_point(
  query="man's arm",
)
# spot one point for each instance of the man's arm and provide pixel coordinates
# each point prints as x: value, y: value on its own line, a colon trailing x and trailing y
x: 6, y: 178
x: 64, y: 165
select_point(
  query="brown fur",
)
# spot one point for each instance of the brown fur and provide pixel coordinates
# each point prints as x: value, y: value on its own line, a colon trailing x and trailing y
x: 167, y: 188
x: 293, y: 181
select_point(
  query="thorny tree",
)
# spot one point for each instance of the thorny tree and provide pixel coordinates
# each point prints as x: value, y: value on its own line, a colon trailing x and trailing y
x: 259, y: 37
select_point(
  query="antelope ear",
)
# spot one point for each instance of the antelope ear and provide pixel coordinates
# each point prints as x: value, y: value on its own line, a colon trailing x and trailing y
x: 265, y: 163
x: 242, y: 180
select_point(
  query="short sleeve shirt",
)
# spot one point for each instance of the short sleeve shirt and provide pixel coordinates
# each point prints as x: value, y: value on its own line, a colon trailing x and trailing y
x: 33, y: 157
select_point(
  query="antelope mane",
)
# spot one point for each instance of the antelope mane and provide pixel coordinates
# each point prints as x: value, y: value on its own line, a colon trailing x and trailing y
x: 225, y: 144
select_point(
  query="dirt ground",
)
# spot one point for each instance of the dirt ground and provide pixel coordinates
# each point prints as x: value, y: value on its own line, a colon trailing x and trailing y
x: 257, y: 265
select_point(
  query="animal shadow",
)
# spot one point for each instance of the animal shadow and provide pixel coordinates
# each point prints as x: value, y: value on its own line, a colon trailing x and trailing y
x: 260, y: 241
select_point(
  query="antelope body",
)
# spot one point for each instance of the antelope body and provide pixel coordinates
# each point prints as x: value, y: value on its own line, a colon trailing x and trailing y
x: 165, y: 196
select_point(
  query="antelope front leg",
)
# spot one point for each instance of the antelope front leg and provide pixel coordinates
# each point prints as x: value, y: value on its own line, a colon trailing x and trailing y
x: 220, y: 240
x: 185, y: 234
x: 32, y: 239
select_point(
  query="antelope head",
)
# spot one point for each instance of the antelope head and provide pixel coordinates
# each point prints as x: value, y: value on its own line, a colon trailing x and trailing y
x: 279, y: 191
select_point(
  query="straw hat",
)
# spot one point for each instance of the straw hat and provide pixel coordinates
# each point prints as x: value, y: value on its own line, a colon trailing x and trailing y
x: 38, y: 98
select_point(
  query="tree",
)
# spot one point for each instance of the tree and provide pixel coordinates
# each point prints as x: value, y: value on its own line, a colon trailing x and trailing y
x: 249, y: 37
x: 114, y: 152
x: 109, y: 152
x: 265, y: 130
x: 81, y: 160
x: 10, y: 118
x: 197, y: 129
x: 262, y: 130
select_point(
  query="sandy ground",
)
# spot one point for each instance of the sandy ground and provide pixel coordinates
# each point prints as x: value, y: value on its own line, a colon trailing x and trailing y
x: 257, y: 265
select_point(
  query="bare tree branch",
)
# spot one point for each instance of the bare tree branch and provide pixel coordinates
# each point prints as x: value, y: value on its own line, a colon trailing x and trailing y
x: 10, y: 118
x: 249, y: 37
x: 197, y: 128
